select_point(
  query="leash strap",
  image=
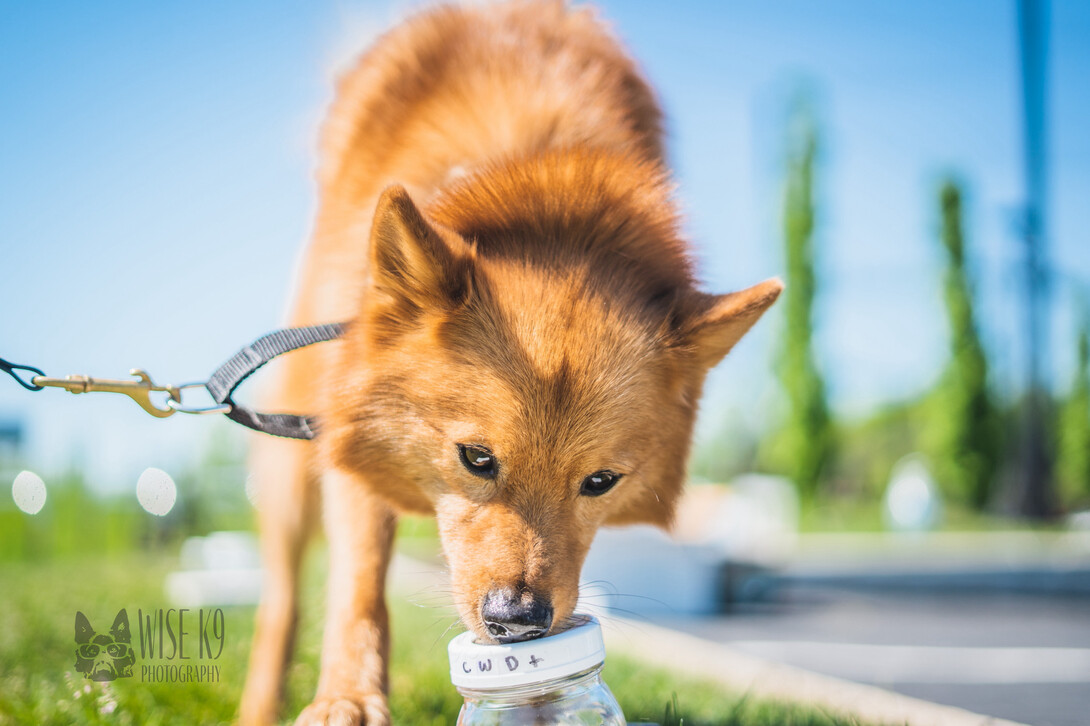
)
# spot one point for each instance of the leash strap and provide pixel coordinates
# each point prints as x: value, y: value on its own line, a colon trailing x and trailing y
x: 10, y: 369
x: 222, y: 384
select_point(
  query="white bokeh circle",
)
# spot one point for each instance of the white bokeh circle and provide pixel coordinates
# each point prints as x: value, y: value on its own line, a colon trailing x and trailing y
x: 28, y: 491
x: 156, y: 492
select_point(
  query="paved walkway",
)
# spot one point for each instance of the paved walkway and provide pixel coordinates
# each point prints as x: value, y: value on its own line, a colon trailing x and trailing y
x: 1030, y: 562
x: 995, y: 622
x: 1021, y: 657
x: 696, y: 647
x: 770, y: 679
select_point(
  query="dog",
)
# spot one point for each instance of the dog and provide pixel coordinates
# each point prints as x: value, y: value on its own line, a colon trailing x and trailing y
x: 104, y: 656
x: 526, y: 346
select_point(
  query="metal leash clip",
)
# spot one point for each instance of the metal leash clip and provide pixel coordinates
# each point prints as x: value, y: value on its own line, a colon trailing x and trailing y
x: 139, y: 390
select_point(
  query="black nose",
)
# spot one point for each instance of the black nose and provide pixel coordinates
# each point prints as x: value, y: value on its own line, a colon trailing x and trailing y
x: 512, y: 616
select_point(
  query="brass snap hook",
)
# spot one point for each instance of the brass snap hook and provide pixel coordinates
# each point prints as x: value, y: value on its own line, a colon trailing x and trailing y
x: 138, y: 390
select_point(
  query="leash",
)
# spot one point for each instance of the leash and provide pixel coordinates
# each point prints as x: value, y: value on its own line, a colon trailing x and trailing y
x: 220, y: 385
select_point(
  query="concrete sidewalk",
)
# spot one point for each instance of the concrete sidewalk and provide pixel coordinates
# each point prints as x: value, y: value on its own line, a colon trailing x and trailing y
x: 736, y: 671
x: 1021, y: 657
x: 1013, y: 561
x: 706, y: 659
x: 990, y: 622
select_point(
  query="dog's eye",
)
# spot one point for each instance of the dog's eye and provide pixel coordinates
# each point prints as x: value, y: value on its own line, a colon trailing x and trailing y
x: 478, y: 460
x: 599, y: 483
x: 117, y: 650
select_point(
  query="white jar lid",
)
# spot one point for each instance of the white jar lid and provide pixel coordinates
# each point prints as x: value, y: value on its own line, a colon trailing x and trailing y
x: 578, y: 648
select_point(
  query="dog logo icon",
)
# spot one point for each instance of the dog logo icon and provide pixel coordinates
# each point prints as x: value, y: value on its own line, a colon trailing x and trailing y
x: 104, y: 656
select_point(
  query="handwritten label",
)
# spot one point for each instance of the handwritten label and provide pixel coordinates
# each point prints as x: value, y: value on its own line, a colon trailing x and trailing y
x: 512, y: 663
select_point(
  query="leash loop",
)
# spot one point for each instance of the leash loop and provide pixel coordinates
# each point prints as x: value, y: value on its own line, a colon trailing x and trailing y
x: 230, y: 375
x: 180, y: 407
x: 10, y: 369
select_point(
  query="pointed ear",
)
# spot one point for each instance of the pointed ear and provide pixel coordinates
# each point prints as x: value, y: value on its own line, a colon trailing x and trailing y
x: 120, y: 629
x: 720, y: 321
x: 414, y: 261
x: 84, y: 631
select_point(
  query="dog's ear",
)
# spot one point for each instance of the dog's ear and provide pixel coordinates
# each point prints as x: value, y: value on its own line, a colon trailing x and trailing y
x: 84, y: 631
x: 715, y: 323
x: 414, y: 261
x: 120, y: 628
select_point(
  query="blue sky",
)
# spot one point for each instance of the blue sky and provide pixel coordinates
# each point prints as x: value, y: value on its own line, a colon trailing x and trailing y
x: 156, y: 163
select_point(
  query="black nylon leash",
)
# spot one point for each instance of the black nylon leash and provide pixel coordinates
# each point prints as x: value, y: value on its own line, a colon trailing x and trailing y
x: 10, y: 369
x: 231, y: 374
x: 220, y: 386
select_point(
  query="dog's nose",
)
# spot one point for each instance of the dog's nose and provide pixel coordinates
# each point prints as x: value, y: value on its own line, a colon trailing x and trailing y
x: 510, y: 616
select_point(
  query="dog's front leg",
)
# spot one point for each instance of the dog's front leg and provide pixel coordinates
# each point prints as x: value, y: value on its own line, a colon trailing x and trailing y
x: 353, y: 683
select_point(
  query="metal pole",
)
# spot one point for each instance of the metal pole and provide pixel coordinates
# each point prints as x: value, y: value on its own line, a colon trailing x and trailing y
x: 1035, y: 498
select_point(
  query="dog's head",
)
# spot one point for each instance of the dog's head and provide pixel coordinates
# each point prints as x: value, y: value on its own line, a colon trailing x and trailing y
x: 527, y: 367
x: 104, y: 656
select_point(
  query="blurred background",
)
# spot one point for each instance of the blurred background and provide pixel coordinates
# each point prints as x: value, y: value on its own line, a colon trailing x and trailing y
x: 918, y: 174
x: 889, y: 162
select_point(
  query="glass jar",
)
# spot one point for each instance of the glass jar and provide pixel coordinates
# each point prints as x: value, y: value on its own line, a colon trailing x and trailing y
x: 552, y: 681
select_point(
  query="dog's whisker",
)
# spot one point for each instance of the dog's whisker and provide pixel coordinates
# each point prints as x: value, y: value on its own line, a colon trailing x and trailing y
x: 433, y: 591
x: 433, y: 597
x: 666, y: 606
x: 429, y: 593
x: 606, y: 589
x: 624, y: 621
x: 432, y: 606
x: 594, y: 583
x: 453, y: 623
x: 609, y: 611
x: 439, y: 605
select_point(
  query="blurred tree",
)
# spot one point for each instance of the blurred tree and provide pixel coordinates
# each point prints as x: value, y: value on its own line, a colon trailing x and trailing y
x: 1073, y: 461
x: 212, y: 493
x: 868, y: 447
x: 964, y: 428
x: 804, y: 445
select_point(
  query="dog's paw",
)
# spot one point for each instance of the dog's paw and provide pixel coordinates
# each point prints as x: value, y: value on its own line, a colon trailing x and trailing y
x: 346, y: 710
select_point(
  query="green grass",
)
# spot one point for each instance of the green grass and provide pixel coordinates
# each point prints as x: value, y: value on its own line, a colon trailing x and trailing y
x: 39, y: 684
x: 858, y: 515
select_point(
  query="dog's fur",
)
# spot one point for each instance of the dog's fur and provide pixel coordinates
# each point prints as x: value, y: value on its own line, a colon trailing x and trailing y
x: 496, y: 221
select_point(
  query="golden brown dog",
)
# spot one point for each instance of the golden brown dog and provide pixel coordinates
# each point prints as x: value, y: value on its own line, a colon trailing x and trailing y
x: 527, y: 344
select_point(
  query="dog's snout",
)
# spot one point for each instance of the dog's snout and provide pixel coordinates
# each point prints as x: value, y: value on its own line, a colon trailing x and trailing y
x: 513, y: 616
